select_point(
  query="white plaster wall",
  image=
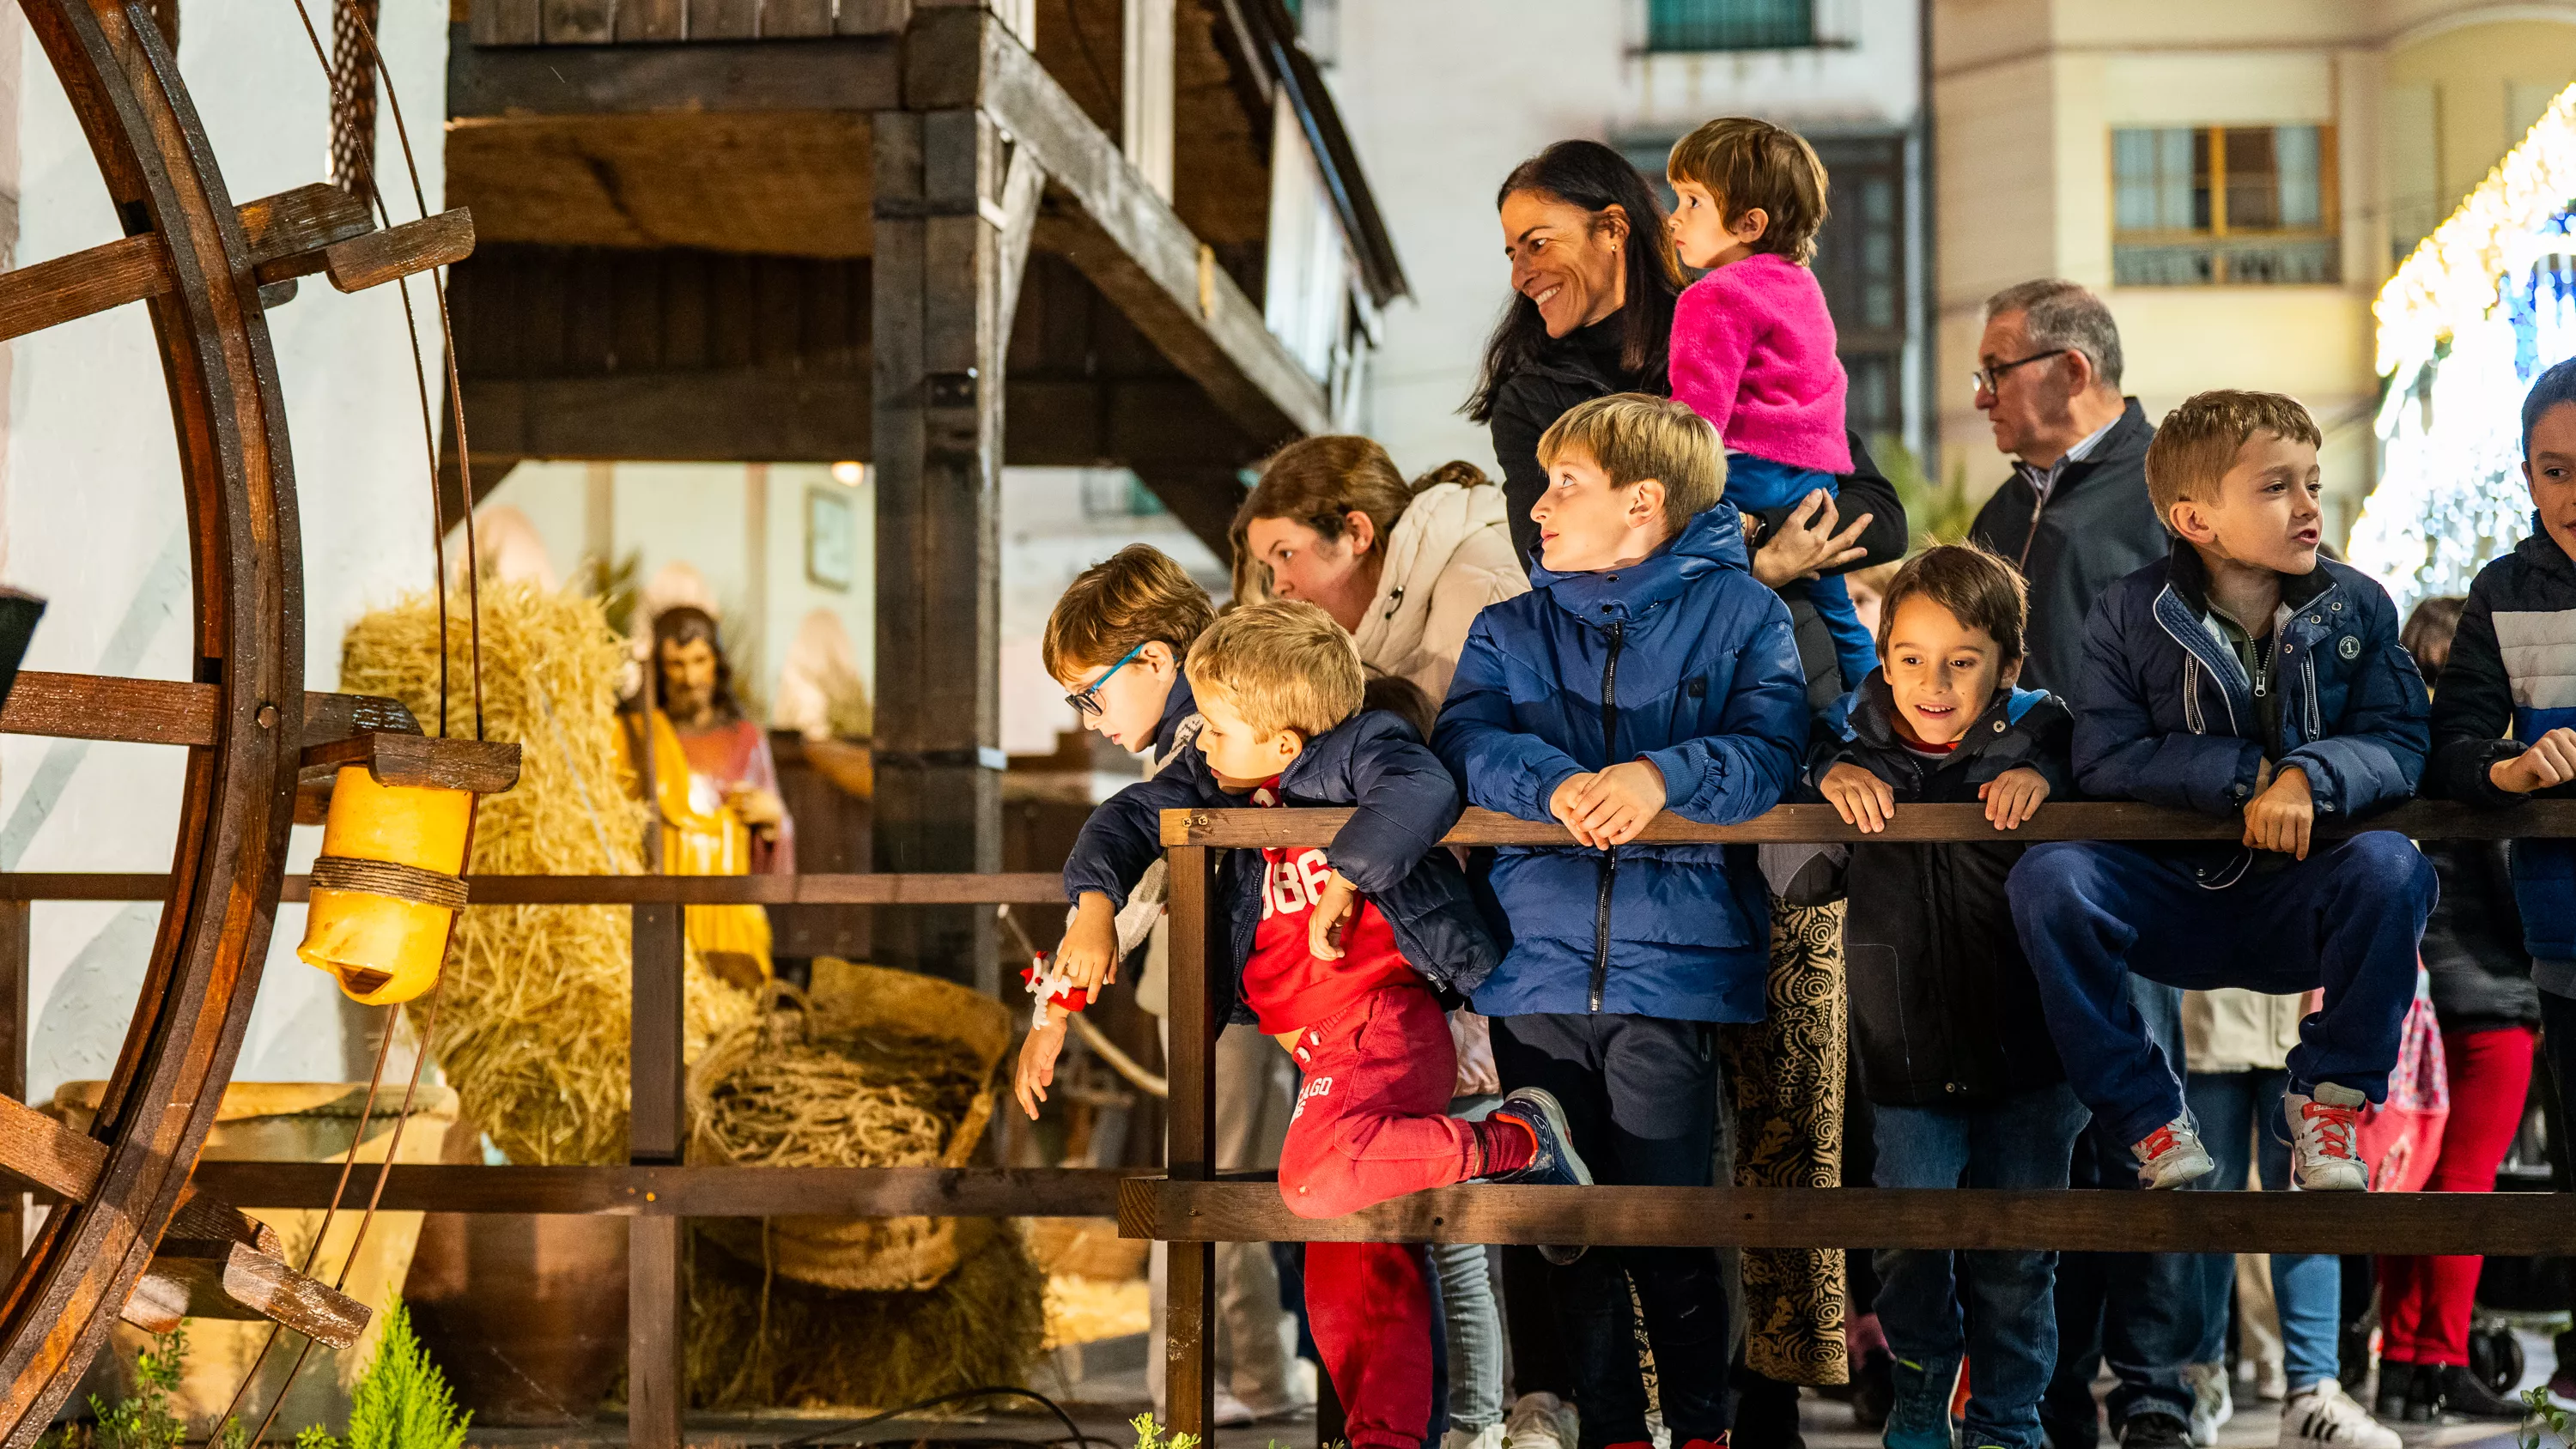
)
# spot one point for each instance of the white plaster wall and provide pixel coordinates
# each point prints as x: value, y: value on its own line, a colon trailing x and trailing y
x: 90, y: 513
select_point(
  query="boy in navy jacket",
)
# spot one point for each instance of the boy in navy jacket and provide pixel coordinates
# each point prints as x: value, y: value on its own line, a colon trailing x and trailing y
x: 2241, y: 675
x: 1646, y: 671
x: 1335, y: 954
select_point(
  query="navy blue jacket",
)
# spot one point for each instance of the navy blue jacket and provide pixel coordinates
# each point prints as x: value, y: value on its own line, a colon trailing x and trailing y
x: 2524, y: 602
x: 1405, y: 801
x: 2164, y: 713
x: 1687, y: 662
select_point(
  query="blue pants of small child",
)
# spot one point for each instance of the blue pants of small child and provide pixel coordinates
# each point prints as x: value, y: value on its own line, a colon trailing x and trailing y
x: 2348, y: 918
x: 1754, y: 484
x: 2010, y: 1332
x: 2236, y: 1110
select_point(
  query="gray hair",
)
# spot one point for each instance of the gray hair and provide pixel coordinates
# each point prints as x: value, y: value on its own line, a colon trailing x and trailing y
x: 2063, y: 315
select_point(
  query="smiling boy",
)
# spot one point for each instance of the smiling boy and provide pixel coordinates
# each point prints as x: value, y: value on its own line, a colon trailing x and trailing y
x: 2241, y: 676
x: 1646, y: 671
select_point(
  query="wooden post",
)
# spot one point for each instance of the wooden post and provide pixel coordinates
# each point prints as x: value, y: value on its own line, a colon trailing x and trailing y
x: 1200, y: 945
x: 1146, y: 91
x: 938, y: 434
x: 656, y: 1391
x: 14, y: 953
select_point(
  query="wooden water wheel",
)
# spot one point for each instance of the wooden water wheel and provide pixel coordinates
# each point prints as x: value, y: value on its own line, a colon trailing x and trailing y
x: 128, y: 1238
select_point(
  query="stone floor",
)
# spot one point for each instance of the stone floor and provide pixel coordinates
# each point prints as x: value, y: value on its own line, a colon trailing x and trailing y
x: 1105, y: 1387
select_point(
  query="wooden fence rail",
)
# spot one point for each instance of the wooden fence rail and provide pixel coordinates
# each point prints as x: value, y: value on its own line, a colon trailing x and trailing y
x: 1193, y: 1210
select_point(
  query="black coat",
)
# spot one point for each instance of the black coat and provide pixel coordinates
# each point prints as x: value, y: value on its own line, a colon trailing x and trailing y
x: 1405, y: 801
x: 1945, y: 1012
x: 2097, y: 527
x: 2473, y: 940
x: 1583, y: 365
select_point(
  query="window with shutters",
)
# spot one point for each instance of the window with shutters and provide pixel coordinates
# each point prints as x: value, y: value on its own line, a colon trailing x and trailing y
x: 2224, y: 205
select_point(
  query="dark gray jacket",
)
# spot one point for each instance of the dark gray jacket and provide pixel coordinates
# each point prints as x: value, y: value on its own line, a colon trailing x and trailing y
x: 2096, y: 528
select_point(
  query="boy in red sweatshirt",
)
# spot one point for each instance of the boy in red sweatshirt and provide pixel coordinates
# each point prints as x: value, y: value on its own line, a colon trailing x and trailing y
x: 1336, y: 952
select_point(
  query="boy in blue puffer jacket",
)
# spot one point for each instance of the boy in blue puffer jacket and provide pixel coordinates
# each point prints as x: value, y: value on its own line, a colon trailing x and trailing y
x: 1646, y: 671
x: 2243, y: 675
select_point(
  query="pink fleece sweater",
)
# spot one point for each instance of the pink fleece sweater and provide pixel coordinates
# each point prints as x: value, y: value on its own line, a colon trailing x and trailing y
x: 1753, y: 352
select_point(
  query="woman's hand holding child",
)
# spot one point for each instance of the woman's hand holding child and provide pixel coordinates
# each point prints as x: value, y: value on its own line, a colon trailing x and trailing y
x: 1609, y: 807
x: 1861, y: 798
x: 2013, y: 797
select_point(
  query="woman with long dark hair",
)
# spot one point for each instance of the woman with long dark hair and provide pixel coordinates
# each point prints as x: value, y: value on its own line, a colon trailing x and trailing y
x: 1594, y: 282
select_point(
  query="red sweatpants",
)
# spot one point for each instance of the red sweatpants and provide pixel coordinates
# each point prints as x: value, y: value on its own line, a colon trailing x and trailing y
x: 2424, y: 1302
x: 1371, y: 1124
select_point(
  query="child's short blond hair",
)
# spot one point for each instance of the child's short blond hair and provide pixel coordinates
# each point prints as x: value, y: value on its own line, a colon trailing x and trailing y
x: 1748, y: 165
x: 1136, y: 596
x: 2196, y: 443
x: 1283, y: 665
x: 1633, y: 437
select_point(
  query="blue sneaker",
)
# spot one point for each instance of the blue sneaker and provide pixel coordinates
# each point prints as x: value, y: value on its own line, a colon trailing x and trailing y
x: 1919, y: 1418
x: 1556, y: 1162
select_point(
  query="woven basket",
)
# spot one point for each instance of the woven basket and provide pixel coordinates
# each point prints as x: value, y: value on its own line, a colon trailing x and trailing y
x: 856, y: 1254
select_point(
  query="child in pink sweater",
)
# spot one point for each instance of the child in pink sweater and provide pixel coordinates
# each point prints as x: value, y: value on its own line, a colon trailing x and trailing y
x: 1753, y: 346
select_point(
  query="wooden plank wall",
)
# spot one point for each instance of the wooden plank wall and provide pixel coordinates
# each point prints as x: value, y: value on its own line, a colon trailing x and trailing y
x: 601, y: 22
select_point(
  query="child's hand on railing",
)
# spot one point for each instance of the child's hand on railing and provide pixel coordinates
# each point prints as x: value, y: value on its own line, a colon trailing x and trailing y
x: 1861, y: 798
x: 1089, y: 955
x: 1036, y: 1070
x: 1609, y: 807
x: 1324, y: 922
x: 2013, y: 797
x: 2551, y: 760
x: 2281, y: 816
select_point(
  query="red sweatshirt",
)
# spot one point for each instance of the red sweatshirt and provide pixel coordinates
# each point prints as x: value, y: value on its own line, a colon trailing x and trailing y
x: 1286, y: 986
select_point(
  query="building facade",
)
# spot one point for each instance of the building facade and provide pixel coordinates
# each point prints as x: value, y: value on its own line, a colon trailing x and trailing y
x: 2238, y: 181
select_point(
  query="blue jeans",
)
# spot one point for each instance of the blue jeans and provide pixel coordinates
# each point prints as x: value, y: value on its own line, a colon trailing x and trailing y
x: 1754, y: 484
x: 2347, y: 918
x: 1471, y: 1322
x: 2010, y: 1335
x: 2241, y: 1123
x: 2138, y: 1312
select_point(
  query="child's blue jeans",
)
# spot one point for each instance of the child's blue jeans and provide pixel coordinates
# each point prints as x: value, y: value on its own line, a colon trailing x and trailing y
x: 2010, y: 1333
x: 2348, y: 918
x: 1754, y: 484
x: 2238, y: 1113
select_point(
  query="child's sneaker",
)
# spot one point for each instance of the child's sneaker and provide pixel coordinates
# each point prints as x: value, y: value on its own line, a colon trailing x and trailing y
x: 1541, y: 1421
x: 2212, y: 1405
x: 1488, y: 1437
x: 1919, y: 1416
x: 2172, y: 1156
x: 1555, y: 1162
x: 2325, y: 1151
x: 2323, y: 1416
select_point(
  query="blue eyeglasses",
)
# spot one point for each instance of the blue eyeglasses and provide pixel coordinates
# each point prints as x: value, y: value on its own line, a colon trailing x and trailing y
x: 1086, y: 701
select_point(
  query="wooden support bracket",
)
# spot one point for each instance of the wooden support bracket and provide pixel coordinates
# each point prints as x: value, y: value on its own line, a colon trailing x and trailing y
x: 214, y: 1262
x: 133, y: 268
x: 169, y: 711
x: 483, y: 766
x: 415, y: 246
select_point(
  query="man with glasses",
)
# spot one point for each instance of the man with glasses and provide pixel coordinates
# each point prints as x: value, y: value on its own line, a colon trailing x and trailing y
x: 2074, y: 515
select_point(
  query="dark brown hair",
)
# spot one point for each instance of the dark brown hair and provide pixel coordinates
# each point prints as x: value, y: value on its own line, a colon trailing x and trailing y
x: 2197, y: 442
x: 1134, y: 597
x: 688, y: 624
x: 1321, y: 481
x: 2429, y: 627
x: 1752, y: 165
x: 1978, y: 588
x: 1402, y: 698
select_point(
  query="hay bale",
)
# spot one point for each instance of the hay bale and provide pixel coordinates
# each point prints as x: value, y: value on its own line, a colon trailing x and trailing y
x: 759, y: 1340
x: 533, y: 1027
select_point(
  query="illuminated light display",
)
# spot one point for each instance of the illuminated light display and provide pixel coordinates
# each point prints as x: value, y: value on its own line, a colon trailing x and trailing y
x: 2479, y: 308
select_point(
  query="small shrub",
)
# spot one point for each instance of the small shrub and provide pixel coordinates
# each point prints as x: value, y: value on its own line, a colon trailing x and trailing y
x: 402, y: 1401
x: 143, y: 1419
x: 2545, y: 1415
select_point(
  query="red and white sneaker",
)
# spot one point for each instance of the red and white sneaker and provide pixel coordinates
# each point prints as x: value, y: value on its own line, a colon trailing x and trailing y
x: 2325, y: 1131
x: 2171, y: 1156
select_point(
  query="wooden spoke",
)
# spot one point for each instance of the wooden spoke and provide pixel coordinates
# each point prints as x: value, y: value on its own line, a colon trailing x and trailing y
x: 415, y: 246
x: 171, y: 711
x: 130, y: 269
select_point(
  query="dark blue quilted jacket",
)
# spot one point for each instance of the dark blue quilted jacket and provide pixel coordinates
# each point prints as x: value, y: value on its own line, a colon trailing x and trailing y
x: 2164, y: 712
x: 1685, y: 661
x: 1404, y: 802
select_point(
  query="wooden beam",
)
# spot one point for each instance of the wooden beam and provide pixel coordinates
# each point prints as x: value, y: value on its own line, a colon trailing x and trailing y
x: 656, y: 1380
x: 1032, y: 888
x: 1132, y: 246
x: 688, y: 1191
x: 658, y: 1109
x: 486, y: 767
x: 843, y: 73
x: 52, y: 292
x: 1022, y: 188
x: 301, y: 223
x: 2507, y: 1223
x: 1189, y: 1304
x: 167, y: 711
x: 1804, y: 824
x: 400, y: 251
x: 1203, y: 497
x: 16, y: 961
x: 1147, y: 79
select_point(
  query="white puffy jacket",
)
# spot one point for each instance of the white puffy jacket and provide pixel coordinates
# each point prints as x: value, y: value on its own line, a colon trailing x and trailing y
x: 1447, y: 558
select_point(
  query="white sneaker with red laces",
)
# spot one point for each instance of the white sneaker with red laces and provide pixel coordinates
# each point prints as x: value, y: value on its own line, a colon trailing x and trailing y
x: 2325, y: 1139
x: 2172, y: 1156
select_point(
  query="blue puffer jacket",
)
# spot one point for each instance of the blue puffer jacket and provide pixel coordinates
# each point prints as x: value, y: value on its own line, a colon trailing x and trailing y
x: 1388, y: 848
x: 2164, y: 712
x: 1684, y: 661
x: 2513, y: 668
